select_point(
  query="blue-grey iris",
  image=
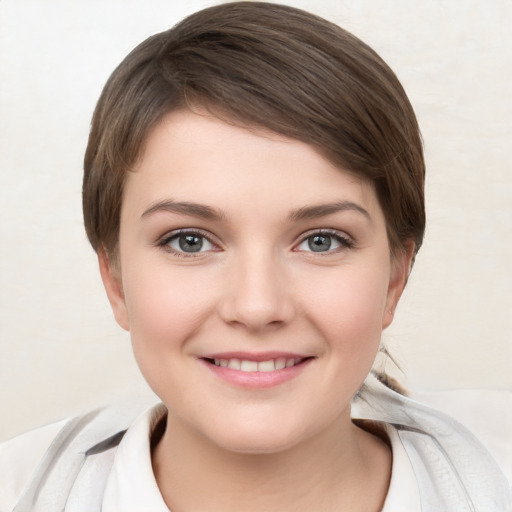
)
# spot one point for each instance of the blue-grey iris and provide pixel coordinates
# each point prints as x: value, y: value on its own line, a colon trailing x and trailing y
x: 319, y: 243
x: 190, y: 243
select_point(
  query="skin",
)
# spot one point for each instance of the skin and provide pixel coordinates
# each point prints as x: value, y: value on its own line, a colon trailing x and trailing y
x: 256, y: 285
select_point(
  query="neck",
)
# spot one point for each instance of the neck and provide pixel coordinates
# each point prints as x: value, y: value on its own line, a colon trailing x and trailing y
x: 341, y: 468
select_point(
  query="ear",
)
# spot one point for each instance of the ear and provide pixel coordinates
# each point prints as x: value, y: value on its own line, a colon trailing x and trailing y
x: 401, y: 263
x: 111, y: 277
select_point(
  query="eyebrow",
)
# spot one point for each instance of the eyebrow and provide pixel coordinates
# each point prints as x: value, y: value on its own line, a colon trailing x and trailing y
x: 322, y: 210
x: 186, y: 208
x: 210, y: 213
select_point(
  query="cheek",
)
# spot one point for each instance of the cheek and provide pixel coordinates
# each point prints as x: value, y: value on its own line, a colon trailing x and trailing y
x: 164, y: 309
x: 348, y: 309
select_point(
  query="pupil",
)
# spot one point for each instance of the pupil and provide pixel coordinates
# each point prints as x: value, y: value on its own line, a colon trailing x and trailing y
x: 190, y: 243
x: 319, y: 243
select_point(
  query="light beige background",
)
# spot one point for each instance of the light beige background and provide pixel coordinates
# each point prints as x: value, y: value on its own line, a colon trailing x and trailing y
x: 61, y: 351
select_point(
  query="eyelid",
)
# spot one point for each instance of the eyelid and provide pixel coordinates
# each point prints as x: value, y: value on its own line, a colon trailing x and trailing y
x: 164, y: 241
x: 344, y: 238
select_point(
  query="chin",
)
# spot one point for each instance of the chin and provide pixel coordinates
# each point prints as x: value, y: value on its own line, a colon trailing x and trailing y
x: 257, y: 445
x: 258, y: 437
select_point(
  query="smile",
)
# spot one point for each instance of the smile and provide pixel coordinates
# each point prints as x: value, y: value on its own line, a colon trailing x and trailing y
x: 246, y: 365
x: 256, y: 371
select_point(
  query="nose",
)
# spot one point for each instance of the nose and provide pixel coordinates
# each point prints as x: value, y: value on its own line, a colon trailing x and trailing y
x: 257, y: 294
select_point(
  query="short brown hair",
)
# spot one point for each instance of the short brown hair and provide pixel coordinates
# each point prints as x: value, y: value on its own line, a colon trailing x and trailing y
x: 269, y: 66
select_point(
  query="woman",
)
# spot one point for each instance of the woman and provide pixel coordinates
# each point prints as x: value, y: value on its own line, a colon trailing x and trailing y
x: 253, y: 187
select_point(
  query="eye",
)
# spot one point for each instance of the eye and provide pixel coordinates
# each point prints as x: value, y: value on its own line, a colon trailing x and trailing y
x: 324, y: 241
x: 187, y: 242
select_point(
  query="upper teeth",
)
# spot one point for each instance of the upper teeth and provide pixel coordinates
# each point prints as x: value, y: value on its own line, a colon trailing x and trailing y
x: 246, y: 365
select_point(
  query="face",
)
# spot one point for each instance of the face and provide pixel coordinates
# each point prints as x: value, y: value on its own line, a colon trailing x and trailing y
x: 255, y: 278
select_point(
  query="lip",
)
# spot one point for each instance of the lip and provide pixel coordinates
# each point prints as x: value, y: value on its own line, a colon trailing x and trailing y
x: 254, y: 356
x: 256, y: 380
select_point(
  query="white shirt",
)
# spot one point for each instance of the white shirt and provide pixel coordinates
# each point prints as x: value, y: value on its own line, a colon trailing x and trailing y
x: 431, y: 452
x: 131, y: 485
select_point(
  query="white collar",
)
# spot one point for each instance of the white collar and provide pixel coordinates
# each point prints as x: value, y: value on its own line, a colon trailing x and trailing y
x: 403, y: 493
x: 131, y: 486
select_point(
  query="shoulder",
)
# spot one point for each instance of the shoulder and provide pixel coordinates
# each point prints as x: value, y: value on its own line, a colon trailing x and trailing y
x: 68, y: 461
x: 487, y: 413
x: 452, y: 467
x: 19, y: 458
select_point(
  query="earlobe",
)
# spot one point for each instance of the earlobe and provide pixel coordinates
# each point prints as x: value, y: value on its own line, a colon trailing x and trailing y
x: 113, y: 286
x: 400, y: 268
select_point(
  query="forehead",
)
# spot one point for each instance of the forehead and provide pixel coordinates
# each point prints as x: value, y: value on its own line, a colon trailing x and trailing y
x: 197, y: 157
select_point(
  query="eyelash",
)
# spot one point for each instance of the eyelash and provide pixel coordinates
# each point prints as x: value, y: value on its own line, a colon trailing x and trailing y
x: 169, y: 237
x: 344, y: 241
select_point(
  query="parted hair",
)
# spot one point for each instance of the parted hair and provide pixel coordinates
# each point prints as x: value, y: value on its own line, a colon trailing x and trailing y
x: 267, y: 66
